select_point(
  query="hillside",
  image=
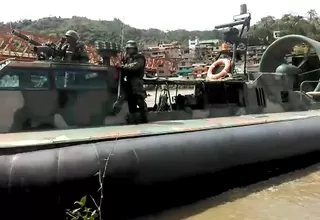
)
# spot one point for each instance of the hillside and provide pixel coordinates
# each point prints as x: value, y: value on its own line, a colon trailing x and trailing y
x: 91, y: 30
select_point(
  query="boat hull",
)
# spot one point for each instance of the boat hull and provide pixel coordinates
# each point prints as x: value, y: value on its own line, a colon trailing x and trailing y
x: 54, y: 177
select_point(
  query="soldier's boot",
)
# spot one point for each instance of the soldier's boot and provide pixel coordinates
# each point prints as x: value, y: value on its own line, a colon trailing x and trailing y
x: 133, y: 118
x: 143, y: 107
x: 129, y: 118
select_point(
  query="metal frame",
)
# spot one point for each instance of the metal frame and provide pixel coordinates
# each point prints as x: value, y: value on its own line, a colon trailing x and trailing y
x: 304, y: 82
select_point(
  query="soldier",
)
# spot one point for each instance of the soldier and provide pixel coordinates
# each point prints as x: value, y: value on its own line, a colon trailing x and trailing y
x: 132, y: 67
x: 73, y: 50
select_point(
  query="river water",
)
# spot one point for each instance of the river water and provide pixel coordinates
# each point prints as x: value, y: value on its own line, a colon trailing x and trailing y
x: 292, y: 196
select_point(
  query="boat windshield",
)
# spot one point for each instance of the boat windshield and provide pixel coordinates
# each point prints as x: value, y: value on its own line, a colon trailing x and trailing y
x: 80, y: 79
x: 21, y: 78
x: 18, y: 78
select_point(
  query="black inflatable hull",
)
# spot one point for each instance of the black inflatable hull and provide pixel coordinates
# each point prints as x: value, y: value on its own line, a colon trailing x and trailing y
x: 54, y: 177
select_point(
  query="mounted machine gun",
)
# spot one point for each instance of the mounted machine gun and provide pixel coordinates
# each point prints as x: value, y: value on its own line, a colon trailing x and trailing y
x: 46, y: 51
x: 234, y: 36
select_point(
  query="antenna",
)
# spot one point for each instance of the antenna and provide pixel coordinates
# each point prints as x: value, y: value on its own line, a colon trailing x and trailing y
x: 122, y: 33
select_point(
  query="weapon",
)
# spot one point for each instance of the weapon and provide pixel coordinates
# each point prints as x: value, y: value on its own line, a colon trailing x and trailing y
x: 235, y: 37
x: 43, y: 51
x: 118, y: 103
x: 25, y: 38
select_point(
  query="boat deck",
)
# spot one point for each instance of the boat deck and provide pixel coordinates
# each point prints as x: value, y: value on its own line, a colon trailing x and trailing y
x: 25, y: 139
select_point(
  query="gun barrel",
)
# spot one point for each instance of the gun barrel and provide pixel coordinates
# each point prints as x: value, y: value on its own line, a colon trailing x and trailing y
x: 235, y: 23
x: 25, y: 38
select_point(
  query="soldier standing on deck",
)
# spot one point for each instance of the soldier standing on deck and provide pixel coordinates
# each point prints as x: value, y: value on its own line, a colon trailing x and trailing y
x: 132, y: 67
x: 73, y: 50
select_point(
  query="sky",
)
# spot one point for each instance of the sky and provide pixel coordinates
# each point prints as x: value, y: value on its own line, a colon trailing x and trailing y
x: 164, y: 14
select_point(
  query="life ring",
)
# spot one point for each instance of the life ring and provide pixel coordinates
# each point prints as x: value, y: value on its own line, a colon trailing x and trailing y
x: 227, y: 64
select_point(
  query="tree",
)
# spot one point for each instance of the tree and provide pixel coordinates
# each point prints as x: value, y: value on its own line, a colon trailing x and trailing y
x: 262, y: 32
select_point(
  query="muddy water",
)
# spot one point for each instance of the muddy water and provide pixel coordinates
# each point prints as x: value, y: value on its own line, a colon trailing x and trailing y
x: 293, y: 196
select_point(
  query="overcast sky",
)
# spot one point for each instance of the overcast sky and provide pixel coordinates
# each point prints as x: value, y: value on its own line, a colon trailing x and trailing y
x: 163, y: 14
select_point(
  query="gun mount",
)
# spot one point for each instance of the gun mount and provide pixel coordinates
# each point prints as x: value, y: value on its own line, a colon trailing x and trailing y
x: 234, y: 36
x: 106, y: 50
x: 46, y: 51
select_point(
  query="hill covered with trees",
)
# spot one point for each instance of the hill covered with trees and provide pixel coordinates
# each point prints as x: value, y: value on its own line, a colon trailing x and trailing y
x: 92, y: 30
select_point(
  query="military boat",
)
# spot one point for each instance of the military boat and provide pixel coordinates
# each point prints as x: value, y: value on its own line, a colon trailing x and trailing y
x: 59, y: 128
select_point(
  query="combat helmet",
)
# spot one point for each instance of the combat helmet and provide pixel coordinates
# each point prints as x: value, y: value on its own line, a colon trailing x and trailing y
x: 73, y: 34
x: 131, y: 44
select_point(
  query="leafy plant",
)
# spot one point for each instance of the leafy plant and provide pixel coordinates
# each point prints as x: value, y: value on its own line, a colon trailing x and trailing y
x: 82, y: 212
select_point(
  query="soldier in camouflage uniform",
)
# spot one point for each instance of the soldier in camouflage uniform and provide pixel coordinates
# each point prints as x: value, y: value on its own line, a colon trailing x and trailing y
x: 73, y: 50
x: 133, y: 65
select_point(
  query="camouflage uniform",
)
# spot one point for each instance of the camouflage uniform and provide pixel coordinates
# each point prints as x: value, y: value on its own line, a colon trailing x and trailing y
x: 73, y: 50
x: 133, y: 69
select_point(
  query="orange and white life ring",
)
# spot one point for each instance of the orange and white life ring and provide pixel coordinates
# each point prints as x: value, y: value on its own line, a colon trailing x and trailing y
x: 227, y: 64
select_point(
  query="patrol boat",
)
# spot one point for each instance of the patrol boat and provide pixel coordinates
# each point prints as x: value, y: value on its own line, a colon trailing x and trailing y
x: 59, y: 128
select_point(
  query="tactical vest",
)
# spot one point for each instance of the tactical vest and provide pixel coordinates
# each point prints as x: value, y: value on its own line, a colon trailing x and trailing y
x: 78, y: 52
x: 140, y: 72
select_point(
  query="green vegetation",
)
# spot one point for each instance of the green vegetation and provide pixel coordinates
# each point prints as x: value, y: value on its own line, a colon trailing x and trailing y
x: 82, y: 212
x: 262, y: 32
x: 92, y: 30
